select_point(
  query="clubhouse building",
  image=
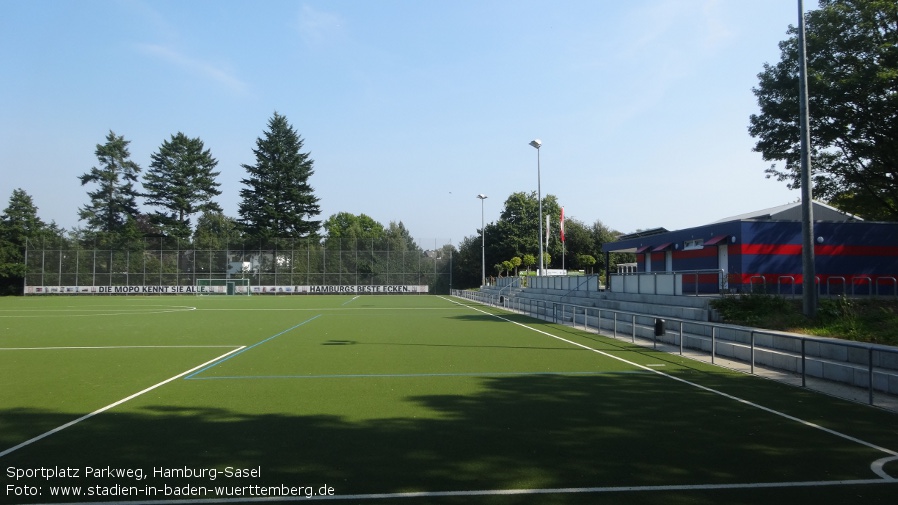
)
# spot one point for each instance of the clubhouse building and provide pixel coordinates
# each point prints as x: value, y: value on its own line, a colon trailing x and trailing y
x: 763, y: 251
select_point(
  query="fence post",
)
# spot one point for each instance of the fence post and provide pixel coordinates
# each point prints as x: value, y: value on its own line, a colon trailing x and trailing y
x: 752, y: 352
x: 681, y: 338
x: 870, y: 366
x: 803, y: 365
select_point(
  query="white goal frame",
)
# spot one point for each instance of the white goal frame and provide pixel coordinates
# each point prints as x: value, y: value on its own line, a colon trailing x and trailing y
x: 222, y: 287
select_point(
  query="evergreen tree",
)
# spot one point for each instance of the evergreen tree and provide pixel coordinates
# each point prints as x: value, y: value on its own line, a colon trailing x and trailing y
x: 115, y: 199
x: 278, y: 201
x: 181, y: 181
x: 18, y: 223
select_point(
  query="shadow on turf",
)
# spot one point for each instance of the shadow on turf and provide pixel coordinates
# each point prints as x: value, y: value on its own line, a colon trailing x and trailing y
x: 521, y: 432
x: 605, y: 343
x: 529, y: 347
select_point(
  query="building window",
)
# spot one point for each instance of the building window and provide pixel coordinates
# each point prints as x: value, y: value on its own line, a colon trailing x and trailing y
x: 693, y: 244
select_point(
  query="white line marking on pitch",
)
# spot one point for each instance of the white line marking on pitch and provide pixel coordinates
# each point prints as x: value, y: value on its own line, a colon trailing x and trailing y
x: 129, y: 311
x: 878, y: 465
x: 112, y: 405
x: 117, y: 347
x: 699, y: 386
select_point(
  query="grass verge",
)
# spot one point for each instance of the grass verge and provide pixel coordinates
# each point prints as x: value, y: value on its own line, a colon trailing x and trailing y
x: 862, y: 320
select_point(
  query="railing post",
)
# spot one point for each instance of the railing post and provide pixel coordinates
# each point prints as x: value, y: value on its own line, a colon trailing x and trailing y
x: 803, y: 364
x: 752, y: 352
x: 870, y: 366
x: 713, y: 342
x: 633, y: 327
x: 681, y: 338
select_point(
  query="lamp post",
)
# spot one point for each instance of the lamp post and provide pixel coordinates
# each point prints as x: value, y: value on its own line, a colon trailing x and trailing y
x: 808, y: 285
x: 482, y: 243
x: 537, y: 143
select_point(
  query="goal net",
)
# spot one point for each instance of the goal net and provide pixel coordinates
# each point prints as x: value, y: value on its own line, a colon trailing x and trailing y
x: 222, y: 287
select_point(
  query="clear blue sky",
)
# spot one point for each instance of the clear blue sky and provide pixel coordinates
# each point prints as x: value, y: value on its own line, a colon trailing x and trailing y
x: 410, y: 108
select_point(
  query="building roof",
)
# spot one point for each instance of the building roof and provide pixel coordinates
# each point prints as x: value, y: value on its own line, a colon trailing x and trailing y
x: 792, y: 212
x: 717, y: 231
x: 643, y: 233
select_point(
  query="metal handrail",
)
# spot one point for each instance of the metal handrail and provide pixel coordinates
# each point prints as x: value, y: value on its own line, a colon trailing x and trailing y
x: 586, y: 280
x: 894, y: 284
x: 862, y: 278
x: 618, y: 317
x: 515, y: 283
x: 779, y: 291
x: 751, y: 282
x: 829, y: 284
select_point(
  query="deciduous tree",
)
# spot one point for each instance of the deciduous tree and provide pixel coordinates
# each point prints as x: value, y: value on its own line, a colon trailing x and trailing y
x: 349, y: 226
x: 852, y: 59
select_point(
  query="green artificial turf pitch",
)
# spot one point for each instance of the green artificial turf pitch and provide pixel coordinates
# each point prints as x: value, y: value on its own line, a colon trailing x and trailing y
x: 408, y: 399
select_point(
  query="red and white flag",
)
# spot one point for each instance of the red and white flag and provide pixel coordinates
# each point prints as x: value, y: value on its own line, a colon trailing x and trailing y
x: 562, y: 224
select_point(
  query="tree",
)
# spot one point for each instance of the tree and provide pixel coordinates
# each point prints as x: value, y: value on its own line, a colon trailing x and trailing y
x: 399, y: 238
x: 349, y: 226
x: 507, y: 266
x: 528, y: 260
x: 578, y: 242
x: 181, y: 181
x: 216, y: 231
x: 466, y: 263
x: 115, y: 199
x: 517, y: 230
x: 602, y: 235
x: 516, y: 263
x: 278, y: 201
x: 852, y: 59
x: 18, y: 223
x: 586, y: 260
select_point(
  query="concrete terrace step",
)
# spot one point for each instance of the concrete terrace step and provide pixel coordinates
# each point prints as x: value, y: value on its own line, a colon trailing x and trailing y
x: 680, y: 307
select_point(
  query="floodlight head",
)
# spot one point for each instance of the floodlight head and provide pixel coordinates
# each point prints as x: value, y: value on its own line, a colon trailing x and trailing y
x: 536, y: 143
x: 482, y: 196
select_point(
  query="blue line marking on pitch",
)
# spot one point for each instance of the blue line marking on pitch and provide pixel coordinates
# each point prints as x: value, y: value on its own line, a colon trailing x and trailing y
x: 413, y: 375
x: 250, y: 347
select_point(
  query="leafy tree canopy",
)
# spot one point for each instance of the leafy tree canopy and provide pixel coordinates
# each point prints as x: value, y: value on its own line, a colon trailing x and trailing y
x: 852, y: 60
x: 216, y: 231
x: 344, y: 225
